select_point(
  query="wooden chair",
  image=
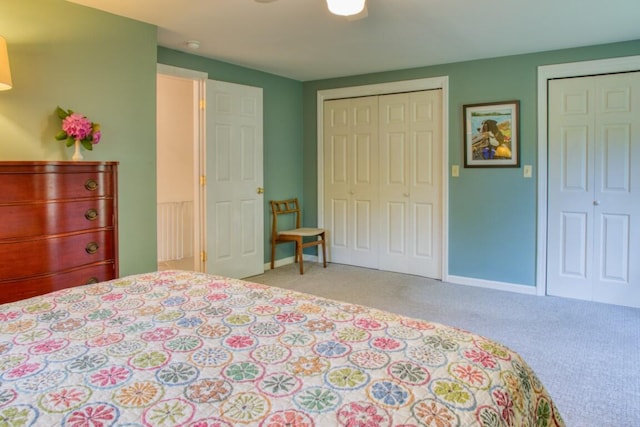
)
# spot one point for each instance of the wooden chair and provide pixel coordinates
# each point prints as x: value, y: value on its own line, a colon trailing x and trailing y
x: 296, y: 235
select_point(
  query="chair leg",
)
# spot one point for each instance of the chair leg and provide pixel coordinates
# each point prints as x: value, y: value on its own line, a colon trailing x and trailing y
x: 273, y: 254
x: 324, y: 252
x: 299, y: 255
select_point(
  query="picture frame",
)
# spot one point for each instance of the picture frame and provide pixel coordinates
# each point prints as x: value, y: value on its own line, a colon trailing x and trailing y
x: 491, y: 135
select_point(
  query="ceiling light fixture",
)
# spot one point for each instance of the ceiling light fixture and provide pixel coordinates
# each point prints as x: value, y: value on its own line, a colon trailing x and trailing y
x: 345, y: 7
x: 193, y: 44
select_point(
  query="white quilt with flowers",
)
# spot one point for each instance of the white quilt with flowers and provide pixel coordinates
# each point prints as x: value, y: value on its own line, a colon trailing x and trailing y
x: 188, y: 349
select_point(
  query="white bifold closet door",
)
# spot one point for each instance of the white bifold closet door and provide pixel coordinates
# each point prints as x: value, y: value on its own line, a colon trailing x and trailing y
x: 593, y: 181
x: 382, y: 181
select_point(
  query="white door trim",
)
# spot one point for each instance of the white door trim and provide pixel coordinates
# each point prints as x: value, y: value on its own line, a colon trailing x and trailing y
x: 383, y: 89
x: 548, y: 72
x: 199, y: 204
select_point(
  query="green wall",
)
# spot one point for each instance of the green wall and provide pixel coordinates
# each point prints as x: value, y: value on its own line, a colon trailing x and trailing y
x: 99, y: 65
x: 104, y: 66
x: 282, y: 104
x: 492, y: 212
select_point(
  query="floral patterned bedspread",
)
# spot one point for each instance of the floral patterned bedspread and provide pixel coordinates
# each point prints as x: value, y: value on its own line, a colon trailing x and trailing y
x: 188, y: 349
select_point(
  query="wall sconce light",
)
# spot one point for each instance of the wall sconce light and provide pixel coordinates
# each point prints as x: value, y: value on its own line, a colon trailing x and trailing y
x: 345, y: 7
x: 5, y: 70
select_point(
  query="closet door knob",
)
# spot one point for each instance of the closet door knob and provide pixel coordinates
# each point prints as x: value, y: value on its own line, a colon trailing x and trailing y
x: 596, y: 203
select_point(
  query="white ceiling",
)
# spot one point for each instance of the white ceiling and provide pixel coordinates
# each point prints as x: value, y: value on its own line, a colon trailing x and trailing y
x: 301, y: 40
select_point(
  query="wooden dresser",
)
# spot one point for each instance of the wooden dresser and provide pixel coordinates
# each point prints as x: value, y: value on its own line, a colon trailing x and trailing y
x: 58, y: 226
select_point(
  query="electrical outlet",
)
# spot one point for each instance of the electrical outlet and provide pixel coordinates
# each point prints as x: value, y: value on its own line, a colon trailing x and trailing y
x: 527, y: 172
x: 455, y: 170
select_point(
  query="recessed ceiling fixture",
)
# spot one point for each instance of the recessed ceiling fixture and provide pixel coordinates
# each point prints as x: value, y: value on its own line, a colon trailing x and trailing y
x: 345, y: 7
x: 193, y: 44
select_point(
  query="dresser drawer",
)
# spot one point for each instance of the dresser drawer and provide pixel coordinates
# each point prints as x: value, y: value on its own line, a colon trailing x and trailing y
x: 39, y: 256
x: 22, y: 187
x: 14, y: 290
x: 58, y: 225
x: 57, y: 217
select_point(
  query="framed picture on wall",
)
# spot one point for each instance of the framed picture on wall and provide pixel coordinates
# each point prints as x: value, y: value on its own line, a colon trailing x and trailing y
x: 491, y: 135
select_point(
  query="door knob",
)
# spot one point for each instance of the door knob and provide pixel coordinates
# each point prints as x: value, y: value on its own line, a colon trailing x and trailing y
x: 260, y: 190
x: 596, y: 203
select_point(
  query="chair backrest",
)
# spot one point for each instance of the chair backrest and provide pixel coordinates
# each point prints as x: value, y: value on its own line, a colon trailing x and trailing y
x: 284, y: 207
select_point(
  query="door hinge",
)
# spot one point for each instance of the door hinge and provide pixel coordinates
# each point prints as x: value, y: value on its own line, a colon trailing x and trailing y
x: 203, y: 104
x: 203, y: 180
x: 203, y: 256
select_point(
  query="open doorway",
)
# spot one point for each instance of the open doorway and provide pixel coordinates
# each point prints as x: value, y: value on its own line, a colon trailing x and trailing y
x: 178, y: 191
x: 231, y: 200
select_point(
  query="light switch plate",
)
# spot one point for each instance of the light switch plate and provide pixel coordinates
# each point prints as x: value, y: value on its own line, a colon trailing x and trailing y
x: 455, y: 170
x: 527, y: 171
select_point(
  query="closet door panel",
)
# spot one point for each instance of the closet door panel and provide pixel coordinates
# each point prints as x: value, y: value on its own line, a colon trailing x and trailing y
x: 390, y: 150
x: 351, y: 180
x: 593, y: 206
x: 410, y: 135
x: 394, y: 180
x: 426, y: 183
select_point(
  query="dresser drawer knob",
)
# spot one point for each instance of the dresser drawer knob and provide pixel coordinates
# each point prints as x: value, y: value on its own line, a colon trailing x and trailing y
x: 91, y: 214
x: 91, y: 248
x: 91, y: 184
x: 92, y: 280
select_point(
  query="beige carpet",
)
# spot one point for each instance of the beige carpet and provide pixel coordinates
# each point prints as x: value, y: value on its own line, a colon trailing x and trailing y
x: 587, y: 354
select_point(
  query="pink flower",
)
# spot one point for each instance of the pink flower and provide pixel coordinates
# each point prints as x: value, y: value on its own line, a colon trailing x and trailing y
x: 49, y: 346
x: 386, y: 343
x: 368, y: 324
x: 290, y: 317
x: 77, y: 126
x: 112, y: 297
x: 96, y: 137
x: 283, y: 301
x: 240, y: 341
x: 481, y: 357
x: 110, y: 377
x: 97, y: 415
x: 362, y: 414
x: 22, y: 370
x: 12, y: 315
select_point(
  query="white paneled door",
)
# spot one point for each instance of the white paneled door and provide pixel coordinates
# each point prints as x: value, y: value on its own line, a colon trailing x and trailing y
x: 351, y: 180
x: 383, y: 191
x: 410, y: 171
x: 234, y: 200
x: 593, y: 196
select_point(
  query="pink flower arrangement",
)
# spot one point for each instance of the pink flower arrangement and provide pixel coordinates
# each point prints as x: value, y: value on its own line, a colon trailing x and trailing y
x: 76, y: 127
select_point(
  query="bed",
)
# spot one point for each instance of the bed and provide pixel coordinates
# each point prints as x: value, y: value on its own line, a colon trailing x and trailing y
x: 178, y: 348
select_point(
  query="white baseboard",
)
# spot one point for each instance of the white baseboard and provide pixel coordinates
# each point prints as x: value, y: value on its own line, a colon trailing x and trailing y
x: 489, y: 284
x: 456, y: 280
x: 289, y: 260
